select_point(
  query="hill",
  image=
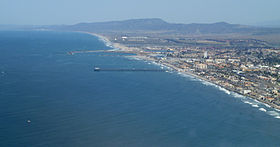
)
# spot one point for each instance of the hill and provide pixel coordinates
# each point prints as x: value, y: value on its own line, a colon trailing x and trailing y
x: 156, y: 24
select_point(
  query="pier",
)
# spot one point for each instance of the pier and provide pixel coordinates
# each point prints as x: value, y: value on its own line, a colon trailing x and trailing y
x: 100, y: 51
x: 97, y: 69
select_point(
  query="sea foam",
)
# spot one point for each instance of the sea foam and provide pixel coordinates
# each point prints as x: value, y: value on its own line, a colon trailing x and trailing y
x: 262, y: 109
x: 254, y: 105
x: 236, y: 95
x: 278, y: 117
x: 224, y: 90
x: 273, y: 113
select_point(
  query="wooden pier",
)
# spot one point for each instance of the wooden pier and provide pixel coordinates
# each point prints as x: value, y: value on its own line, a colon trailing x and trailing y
x: 100, y: 51
x: 97, y: 69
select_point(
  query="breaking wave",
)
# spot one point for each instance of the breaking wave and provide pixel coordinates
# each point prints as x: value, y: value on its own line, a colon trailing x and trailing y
x: 262, y: 109
x: 255, y: 105
x: 236, y: 95
x: 274, y: 113
x: 224, y: 90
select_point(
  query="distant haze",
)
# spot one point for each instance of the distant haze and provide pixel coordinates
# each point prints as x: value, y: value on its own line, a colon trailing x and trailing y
x: 49, y: 12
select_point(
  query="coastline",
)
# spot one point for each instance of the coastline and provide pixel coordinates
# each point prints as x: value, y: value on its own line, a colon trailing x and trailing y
x: 209, y: 82
x: 120, y: 47
x: 115, y: 46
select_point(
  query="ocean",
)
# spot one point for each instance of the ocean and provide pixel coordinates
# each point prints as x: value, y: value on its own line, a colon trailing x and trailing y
x: 51, y: 98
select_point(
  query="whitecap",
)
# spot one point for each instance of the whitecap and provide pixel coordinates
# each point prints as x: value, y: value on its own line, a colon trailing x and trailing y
x: 236, y: 95
x: 192, y: 78
x: 254, y: 105
x: 105, y: 41
x: 247, y: 102
x: 134, y: 58
x: 267, y: 105
x: 224, y: 90
x: 257, y: 101
x: 273, y: 113
x: 277, y: 117
x: 262, y: 109
x: 208, y: 83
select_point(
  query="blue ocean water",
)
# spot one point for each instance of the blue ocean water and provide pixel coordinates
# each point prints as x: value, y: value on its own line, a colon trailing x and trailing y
x: 50, y: 98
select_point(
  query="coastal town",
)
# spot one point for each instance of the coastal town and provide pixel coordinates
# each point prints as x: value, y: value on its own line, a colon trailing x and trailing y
x: 248, y: 67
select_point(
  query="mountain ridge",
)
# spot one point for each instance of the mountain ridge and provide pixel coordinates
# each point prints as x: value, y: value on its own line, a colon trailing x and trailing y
x: 159, y: 25
x: 156, y: 24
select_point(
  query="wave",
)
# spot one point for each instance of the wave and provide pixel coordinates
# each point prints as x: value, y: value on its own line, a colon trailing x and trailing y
x: 273, y: 113
x: 224, y: 90
x: 257, y: 101
x: 267, y: 105
x: 190, y: 77
x: 236, y: 95
x: 160, y: 65
x: 106, y: 42
x: 166, y: 67
x: 247, y: 102
x: 208, y: 83
x: 134, y: 58
x: 262, y: 109
x: 254, y: 105
x: 277, y: 117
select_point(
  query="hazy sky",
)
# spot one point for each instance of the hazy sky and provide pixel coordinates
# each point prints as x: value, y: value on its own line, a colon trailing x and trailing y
x: 179, y: 11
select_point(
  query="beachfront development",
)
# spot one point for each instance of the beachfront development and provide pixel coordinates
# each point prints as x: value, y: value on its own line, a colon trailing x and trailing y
x: 248, y: 67
x: 241, y: 59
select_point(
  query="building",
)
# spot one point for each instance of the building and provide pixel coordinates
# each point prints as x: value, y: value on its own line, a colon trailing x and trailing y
x: 201, y: 66
x: 205, y: 55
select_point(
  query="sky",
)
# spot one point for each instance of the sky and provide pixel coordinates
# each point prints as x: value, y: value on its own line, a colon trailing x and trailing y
x: 50, y: 12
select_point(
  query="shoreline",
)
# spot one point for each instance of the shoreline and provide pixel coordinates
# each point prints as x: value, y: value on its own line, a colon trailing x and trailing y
x: 119, y: 47
x: 115, y: 46
x: 210, y: 83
